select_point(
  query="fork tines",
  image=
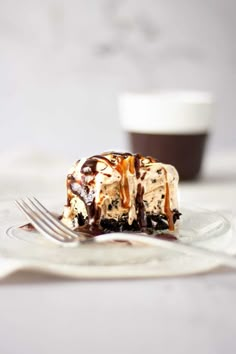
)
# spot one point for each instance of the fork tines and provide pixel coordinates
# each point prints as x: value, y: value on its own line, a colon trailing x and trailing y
x: 45, y: 222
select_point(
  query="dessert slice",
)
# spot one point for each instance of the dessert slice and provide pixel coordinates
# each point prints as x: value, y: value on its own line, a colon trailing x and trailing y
x: 121, y: 192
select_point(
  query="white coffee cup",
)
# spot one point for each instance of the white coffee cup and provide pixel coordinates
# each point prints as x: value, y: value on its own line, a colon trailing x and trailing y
x: 172, y: 126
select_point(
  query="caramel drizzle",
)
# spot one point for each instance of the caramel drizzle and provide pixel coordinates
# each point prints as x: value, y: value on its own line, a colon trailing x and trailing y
x: 168, y: 211
x: 124, y: 165
x: 131, y: 164
x: 126, y: 162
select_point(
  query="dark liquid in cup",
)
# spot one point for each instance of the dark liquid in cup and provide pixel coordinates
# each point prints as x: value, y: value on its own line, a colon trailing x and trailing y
x: 185, y: 152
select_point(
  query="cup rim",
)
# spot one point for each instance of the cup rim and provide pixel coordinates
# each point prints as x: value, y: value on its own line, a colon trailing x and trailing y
x: 185, y: 96
x: 166, y: 111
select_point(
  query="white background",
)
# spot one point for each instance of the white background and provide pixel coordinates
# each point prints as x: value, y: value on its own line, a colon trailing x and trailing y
x: 64, y: 62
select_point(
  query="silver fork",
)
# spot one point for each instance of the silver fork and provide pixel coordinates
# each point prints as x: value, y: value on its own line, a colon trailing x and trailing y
x: 56, y: 231
x: 46, y: 224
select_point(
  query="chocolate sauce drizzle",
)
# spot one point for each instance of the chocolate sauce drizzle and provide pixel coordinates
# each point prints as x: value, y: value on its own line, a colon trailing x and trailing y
x: 89, y: 167
x: 140, y: 209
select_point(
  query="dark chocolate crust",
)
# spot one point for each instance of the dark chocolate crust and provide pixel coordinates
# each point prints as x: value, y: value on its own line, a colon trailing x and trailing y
x: 153, y: 223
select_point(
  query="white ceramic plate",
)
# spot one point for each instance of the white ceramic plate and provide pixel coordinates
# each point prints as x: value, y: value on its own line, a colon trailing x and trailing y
x: 20, y: 249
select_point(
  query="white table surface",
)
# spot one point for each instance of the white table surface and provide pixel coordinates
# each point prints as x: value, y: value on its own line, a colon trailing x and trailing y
x: 46, y: 314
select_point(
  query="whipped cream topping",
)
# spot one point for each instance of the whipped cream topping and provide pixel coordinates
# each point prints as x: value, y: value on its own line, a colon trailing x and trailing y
x: 113, y: 184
